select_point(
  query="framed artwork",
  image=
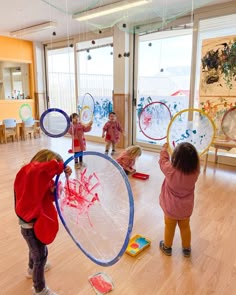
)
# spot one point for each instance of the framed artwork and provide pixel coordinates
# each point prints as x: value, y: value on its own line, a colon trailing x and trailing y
x: 218, y: 67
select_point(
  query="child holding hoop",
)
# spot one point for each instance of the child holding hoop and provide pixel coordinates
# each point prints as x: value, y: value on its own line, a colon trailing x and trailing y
x: 111, y: 132
x: 77, y: 130
x: 128, y: 158
x: 177, y: 193
x: 33, y: 188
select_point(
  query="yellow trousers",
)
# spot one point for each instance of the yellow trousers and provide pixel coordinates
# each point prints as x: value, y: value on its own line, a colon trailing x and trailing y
x: 185, y: 232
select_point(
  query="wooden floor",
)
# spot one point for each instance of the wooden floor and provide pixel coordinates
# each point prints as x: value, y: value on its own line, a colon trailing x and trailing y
x: 210, y: 270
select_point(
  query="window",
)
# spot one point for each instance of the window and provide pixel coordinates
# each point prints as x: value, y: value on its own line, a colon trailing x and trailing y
x: 61, y: 79
x: 95, y: 76
x: 163, y: 74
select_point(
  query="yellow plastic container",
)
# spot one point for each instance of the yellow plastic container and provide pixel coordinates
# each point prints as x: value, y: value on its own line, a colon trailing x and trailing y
x: 137, y: 244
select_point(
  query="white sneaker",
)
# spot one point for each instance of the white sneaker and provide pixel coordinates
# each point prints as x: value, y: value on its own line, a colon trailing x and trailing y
x: 45, y: 291
x: 77, y: 166
x: 82, y: 164
x: 29, y: 272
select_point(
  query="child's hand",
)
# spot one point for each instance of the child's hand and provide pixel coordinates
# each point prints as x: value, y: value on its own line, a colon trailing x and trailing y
x: 166, y: 146
x: 68, y: 171
x: 103, y: 135
x: 90, y: 123
x: 52, y: 189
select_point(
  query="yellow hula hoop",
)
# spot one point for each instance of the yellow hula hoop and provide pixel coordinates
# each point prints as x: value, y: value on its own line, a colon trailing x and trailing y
x: 192, y: 110
x: 83, y: 110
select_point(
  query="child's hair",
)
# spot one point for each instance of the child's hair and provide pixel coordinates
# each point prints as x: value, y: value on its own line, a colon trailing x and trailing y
x: 112, y: 113
x: 134, y: 151
x: 72, y: 116
x: 185, y: 158
x: 45, y: 156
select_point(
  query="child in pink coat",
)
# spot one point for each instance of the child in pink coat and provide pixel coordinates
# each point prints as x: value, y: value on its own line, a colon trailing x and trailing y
x: 177, y: 193
x: 111, y: 132
x: 78, y: 140
x: 128, y: 158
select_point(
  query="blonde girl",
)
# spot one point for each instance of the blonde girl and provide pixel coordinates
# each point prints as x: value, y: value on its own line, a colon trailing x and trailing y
x: 128, y: 158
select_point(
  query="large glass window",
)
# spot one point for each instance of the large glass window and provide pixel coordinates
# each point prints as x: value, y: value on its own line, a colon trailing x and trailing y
x: 95, y: 76
x: 61, y: 79
x: 164, y: 66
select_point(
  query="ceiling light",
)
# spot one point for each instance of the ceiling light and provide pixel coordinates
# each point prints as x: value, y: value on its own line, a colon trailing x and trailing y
x: 109, y: 9
x: 33, y: 29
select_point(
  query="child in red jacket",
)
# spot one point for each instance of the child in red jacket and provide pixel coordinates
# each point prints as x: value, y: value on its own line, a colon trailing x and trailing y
x: 33, y: 188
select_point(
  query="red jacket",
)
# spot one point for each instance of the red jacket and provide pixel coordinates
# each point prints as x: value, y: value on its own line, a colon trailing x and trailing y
x: 34, y: 199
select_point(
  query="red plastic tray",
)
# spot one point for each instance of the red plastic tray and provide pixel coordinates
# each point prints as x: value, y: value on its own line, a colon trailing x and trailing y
x: 140, y: 175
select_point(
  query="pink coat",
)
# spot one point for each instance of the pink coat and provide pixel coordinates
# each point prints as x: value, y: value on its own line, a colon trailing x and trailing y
x: 78, y: 139
x: 177, y: 191
x: 113, y: 130
x: 125, y: 161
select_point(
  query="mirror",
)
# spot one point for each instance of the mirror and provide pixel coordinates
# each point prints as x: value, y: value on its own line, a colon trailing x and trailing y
x: 14, y: 80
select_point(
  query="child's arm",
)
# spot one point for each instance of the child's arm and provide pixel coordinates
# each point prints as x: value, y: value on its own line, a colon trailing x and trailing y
x: 87, y: 128
x: 119, y: 127
x: 67, y: 171
x: 104, y: 130
x: 127, y: 163
x: 164, y: 160
x: 70, y: 129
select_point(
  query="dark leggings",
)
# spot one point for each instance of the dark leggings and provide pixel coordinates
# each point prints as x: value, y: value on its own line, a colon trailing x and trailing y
x: 80, y: 159
x: 38, y: 253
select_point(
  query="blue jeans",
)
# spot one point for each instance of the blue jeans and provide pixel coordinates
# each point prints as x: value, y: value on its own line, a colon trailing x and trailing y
x: 38, y: 253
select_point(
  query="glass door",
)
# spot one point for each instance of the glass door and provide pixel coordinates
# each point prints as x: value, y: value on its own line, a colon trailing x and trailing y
x: 95, y: 76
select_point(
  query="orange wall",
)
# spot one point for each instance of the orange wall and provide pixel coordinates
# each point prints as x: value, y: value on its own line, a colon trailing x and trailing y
x: 17, y: 50
x: 11, y: 108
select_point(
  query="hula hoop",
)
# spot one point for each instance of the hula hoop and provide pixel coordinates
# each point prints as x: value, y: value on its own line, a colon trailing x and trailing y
x: 28, y: 109
x: 130, y: 214
x: 170, y: 143
x: 87, y: 109
x: 47, y: 113
x: 223, y: 127
x: 142, y: 118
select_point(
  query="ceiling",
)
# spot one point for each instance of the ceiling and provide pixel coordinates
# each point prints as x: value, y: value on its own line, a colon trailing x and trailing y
x: 19, y: 14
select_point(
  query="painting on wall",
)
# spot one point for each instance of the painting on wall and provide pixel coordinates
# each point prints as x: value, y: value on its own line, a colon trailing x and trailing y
x: 216, y: 107
x: 218, y: 67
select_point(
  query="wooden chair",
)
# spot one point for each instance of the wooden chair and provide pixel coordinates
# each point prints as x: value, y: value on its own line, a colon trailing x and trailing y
x: 1, y: 134
x: 9, y: 130
x: 37, y: 128
x: 28, y: 128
